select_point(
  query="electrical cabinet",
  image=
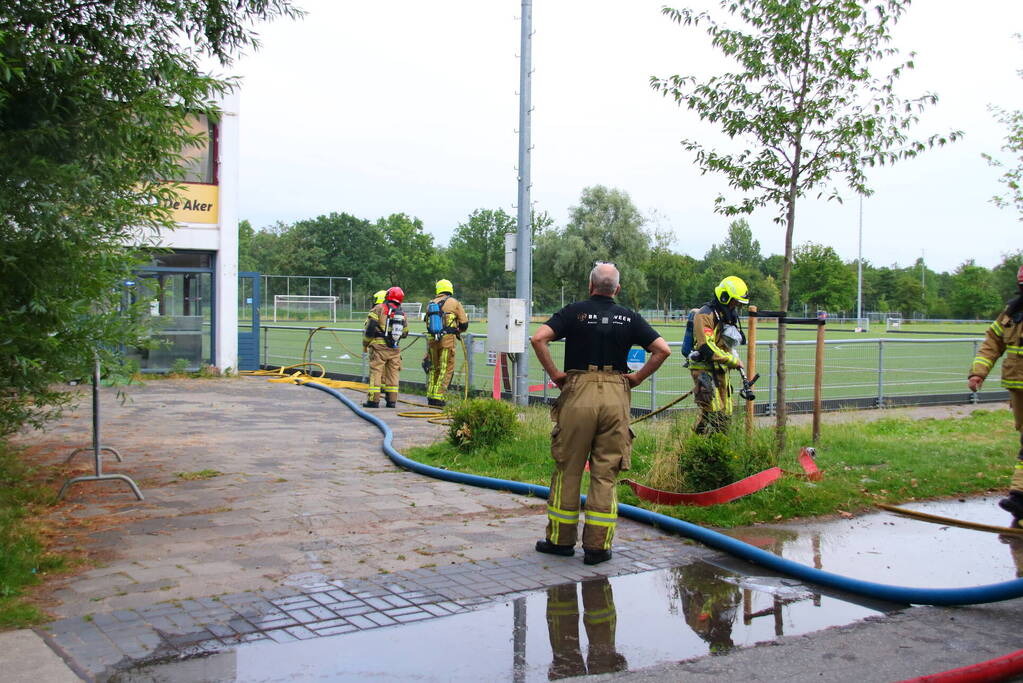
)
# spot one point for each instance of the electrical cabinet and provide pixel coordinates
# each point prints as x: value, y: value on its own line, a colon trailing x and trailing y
x: 507, y: 328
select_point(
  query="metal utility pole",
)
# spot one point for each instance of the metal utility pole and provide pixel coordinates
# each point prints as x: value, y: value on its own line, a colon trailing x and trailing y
x: 859, y: 273
x: 524, y: 242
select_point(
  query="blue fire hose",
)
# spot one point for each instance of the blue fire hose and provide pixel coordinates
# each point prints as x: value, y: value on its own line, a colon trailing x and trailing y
x: 974, y: 595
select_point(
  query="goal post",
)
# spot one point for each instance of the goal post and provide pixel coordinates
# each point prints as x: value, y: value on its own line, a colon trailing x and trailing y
x: 892, y: 324
x: 413, y: 310
x: 298, y: 307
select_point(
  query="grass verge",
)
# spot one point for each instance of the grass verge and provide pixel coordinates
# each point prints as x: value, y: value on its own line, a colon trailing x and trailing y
x: 23, y: 557
x: 891, y: 460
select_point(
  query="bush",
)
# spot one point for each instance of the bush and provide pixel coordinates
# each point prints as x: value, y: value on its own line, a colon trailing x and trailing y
x: 481, y: 423
x: 705, y: 462
x: 701, y: 463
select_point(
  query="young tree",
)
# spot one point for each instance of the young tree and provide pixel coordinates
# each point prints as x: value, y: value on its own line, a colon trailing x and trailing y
x: 94, y: 99
x: 1012, y: 178
x: 803, y: 106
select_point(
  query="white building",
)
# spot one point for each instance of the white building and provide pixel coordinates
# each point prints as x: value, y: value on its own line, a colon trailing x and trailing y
x: 194, y: 289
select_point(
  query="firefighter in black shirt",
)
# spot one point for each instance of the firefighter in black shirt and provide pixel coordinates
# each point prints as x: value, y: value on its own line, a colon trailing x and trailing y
x: 591, y: 415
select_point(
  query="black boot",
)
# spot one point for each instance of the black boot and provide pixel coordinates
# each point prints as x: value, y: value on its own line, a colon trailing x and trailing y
x: 392, y: 404
x: 546, y: 546
x: 1013, y: 504
x: 371, y: 404
x: 595, y: 556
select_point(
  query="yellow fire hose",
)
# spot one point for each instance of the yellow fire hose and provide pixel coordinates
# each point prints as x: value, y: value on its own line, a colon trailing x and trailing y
x: 431, y: 414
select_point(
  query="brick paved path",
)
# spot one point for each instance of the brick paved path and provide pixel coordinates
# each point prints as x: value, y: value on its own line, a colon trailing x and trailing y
x: 308, y: 530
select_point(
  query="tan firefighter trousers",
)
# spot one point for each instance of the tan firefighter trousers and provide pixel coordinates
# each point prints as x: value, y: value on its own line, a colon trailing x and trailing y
x: 384, y: 369
x: 591, y: 425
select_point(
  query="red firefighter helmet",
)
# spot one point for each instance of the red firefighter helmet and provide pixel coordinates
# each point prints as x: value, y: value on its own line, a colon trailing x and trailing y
x: 395, y: 294
x: 1019, y: 276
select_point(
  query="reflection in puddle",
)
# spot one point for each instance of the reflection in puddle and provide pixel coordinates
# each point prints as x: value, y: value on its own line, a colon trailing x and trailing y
x: 596, y: 626
x: 636, y: 621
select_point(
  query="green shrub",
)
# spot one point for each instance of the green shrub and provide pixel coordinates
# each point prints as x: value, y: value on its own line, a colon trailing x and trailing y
x: 705, y: 462
x: 715, y: 460
x: 481, y: 423
x: 179, y: 366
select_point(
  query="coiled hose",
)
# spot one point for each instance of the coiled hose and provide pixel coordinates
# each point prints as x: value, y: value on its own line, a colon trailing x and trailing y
x: 974, y: 595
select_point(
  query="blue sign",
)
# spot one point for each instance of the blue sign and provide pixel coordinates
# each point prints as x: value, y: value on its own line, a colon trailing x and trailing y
x: 636, y: 359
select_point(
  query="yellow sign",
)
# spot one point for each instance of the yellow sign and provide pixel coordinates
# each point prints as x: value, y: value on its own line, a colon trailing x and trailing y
x: 196, y: 203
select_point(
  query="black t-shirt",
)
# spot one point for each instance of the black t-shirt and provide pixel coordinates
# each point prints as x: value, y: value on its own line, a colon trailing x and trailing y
x: 600, y: 332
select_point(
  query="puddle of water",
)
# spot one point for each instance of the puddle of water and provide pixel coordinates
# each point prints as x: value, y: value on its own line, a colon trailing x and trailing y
x: 640, y: 620
x: 597, y: 626
x: 891, y: 549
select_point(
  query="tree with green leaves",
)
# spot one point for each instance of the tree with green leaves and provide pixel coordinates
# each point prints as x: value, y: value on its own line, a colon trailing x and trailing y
x: 1004, y: 274
x: 94, y: 103
x: 1012, y: 175
x: 821, y: 280
x: 477, y: 251
x: 803, y: 109
x: 410, y: 259
x: 739, y: 247
x: 605, y: 226
x: 669, y: 275
x: 974, y: 296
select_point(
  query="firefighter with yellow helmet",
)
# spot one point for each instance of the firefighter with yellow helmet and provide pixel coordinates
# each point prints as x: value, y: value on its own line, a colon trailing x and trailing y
x: 1005, y: 336
x: 386, y: 326
x: 716, y: 338
x: 378, y: 297
x: 445, y: 322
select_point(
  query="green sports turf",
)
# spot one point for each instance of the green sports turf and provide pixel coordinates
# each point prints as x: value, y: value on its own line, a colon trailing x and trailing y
x: 913, y: 364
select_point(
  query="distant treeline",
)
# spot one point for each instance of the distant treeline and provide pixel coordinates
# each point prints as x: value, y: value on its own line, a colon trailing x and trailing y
x: 606, y: 226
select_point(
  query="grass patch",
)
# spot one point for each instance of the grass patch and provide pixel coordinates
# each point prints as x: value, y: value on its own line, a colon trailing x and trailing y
x: 891, y: 460
x: 23, y: 557
x: 200, y: 474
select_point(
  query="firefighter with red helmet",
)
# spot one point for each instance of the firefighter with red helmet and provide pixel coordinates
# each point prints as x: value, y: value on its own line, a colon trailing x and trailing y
x: 386, y: 326
x: 1005, y: 336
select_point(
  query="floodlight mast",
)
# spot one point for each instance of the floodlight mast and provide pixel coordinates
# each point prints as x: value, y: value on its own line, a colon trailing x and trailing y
x: 524, y: 249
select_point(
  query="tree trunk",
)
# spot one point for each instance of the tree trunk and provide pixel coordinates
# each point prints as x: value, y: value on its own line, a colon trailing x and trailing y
x: 781, y: 410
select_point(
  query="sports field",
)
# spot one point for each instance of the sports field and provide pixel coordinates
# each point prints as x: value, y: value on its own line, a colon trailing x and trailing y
x: 919, y: 360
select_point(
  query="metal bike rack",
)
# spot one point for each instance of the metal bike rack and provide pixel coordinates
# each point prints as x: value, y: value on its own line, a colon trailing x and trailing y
x: 97, y: 448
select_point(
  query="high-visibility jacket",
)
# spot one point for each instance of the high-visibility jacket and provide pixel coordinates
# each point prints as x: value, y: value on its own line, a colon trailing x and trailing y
x: 1004, y: 336
x: 375, y: 331
x: 707, y: 326
x: 455, y: 319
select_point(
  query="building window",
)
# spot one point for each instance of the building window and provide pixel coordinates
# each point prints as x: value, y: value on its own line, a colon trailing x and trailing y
x: 198, y: 162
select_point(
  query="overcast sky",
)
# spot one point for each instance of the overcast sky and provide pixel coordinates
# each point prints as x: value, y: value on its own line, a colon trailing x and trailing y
x: 373, y: 108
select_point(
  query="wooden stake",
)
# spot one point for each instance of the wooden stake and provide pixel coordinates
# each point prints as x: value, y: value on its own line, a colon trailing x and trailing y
x: 818, y: 381
x: 751, y: 363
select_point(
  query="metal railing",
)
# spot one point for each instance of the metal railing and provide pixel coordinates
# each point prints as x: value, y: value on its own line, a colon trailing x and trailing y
x: 858, y: 373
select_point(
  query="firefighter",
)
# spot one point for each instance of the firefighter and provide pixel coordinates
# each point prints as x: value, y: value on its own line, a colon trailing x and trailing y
x: 443, y: 329
x: 592, y: 413
x: 385, y: 327
x: 1005, y: 336
x: 378, y: 297
x: 716, y: 337
x: 599, y: 618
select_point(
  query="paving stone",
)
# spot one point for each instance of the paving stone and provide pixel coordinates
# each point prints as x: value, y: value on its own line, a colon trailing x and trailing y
x: 337, y: 630
x: 300, y: 632
x: 362, y: 622
x: 280, y: 636
x: 380, y: 619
